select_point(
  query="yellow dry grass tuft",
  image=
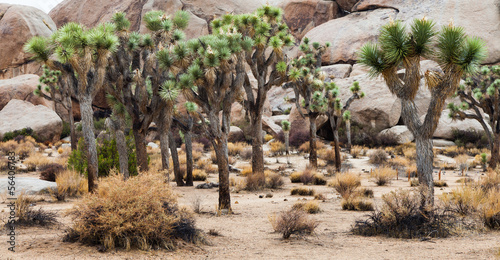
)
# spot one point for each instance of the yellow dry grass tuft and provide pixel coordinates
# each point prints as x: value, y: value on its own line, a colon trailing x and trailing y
x: 345, y: 183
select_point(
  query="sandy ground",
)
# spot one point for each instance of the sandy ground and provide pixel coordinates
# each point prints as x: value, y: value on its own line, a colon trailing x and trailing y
x: 248, y: 234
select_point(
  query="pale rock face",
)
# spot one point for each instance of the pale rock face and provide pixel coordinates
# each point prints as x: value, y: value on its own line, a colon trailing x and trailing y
x: 446, y: 126
x: 337, y: 71
x: 18, y: 24
x: 401, y: 132
x: 19, y: 114
x: 302, y: 16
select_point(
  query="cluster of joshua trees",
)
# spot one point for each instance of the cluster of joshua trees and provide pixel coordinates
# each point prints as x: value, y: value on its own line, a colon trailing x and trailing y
x: 146, y: 75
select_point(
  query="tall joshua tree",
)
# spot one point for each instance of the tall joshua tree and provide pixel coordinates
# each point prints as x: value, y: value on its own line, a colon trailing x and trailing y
x: 213, y: 81
x: 60, y: 93
x: 285, y: 126
x: 336, y: 111
x: 482, y: 92
x: 456, y: 53
x: 81, y: 55
x: 307, y: 81
x: 186, y: 122
x: 141, y: 67
x: 347, y: 119
x: 268, y: 34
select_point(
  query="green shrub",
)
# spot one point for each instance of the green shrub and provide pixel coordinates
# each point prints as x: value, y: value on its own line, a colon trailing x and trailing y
x: 24, y: 132
x: 66, y: 131
x: 107, y: 155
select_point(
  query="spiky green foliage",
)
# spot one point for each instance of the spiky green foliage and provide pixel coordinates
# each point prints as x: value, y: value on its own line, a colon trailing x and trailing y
x: 285, y: 125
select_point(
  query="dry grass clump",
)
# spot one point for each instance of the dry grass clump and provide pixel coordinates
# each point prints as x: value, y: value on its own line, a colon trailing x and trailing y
x: 383, y: 175
x: 491, y: 209
x: 277, y: 148
x: 311, y: 207
x: 234, y: 149
x: 124, y: 214
x: 410, y: 153
x: 453, y: 151
x: 293, y: 221
x: 356, y: 204
x: 24, y: 149
x: 246, y: 170
x: 364, y: 192
x: 310, y: 176
x: 295, y: 177
x: 305, y: 147
x: 345, y: 184
x: 378, y: 157
x: 70, y: 184
x: 27, y: 216
x: 402, y: 216
x: 461, y: 161
x: 357, y: 150
x: 491, y: 180
x: 199, y: 175
x: 202, y: 163
x: 211, y: 168
x: 327, y: 154
x: 197, y: 155
x: 269, y: 179
x: 231, y: 160
x: 302, y: 191
x: 246, y: 153
x: 464, y: 200
x: 36, y: 160
x: 49, y: 172
x: 268, y: 137
x: 8, y: 147
x: 274, y: 180
x: 440, y: 183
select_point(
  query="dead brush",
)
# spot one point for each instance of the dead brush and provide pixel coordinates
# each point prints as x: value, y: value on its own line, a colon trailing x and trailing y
x: 246, y: 170
x: 122, y: 214
x: 491, y: 209
x: 277, y: 148
x: 24, y: 149
x: 305, y: 147
x: 234, y: 149
x: 199, y: 175
x: 36, y: 160
x: 453, y: 151
x: 464, y: 200
x: 202, y: 163
x: 491, y: 180
x: 402, y: 216
x: 49, y: 172
x: 211, y: 168
x: 302, y: 191
x: 345, y: 184
x: 327, y: 154
x: 255, y: 182
x: 462, y: 162
x: 383, y: 175
x: 356, y: 151
x: 356, y: 204
x: 311, y: 207
x: 293, y: 221
x: 69, y: 184
x: 274, y: 180
x: 246, y: 153
x: 8, y: 147
x: 295, y: 177
x: 378, y: 157
x: 27, y: 216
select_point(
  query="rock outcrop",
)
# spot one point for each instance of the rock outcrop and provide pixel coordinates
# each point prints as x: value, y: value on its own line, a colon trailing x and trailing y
x: 19, y: 114
x: 18, y: 24
x: 21, y: 87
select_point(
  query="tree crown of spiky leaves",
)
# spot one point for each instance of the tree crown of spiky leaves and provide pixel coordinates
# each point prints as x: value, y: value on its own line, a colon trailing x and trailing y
x: 450, y: 47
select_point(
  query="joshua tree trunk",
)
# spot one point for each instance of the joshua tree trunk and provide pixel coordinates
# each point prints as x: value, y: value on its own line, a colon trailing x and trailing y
x: 88, y: 135
x: 287, y: 145
x: 495, y: 151
x: 222, y: 162
x: 165, y: 154
x: 189, y: 157
x: 424, y: 168
x: 257, y: 151
x: 121, y: 146
x: 140, y: 148
x: 175, y: 160
x: 313, y: 154
x: 348, y: 133
x: 334, y: 123
x: 74, y: 141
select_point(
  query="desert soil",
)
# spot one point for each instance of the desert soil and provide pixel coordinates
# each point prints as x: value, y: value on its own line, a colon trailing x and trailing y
x: 248, y: 234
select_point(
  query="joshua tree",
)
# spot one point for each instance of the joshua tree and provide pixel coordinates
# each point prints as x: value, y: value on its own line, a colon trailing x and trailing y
x: 347, y: 119
x: 60, y: 93
x: 285, y: 126
x: 307, y: 81
x: 82, y: 57
x: 213, y: 81
x: 456, y: 54
x: 142, y: 66
x: 336, y: 111
x: 482, y: 93
x: 116, y: 123
x: 268, y: 35
x: 185, y: 121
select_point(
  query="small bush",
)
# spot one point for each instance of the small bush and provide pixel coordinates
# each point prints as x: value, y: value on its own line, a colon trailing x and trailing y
x: 378, y: 157
x: 356, y: 204
x: 462, y: 163
x: 469, y: 138
x: 202, y: 163
x: 255, y: 182
x: 112, y: 218
x: 268, y: 138
x: 345, y: 184
x: 27, y: 216
x: 36, y: 160
x: 302, y: 191
x: 246, y: 153
x: 277, y: 148
x: 295, y: 177
x: 24, y: 149
x: 305, y: 147
x: 274, y: 181
x: 491, y: 180
x: 327, y: 155
x: 291, y: 222
x: 464, y: 200
x: 410, y: 153
x: 365, y: 192
x: 402, y: 216
x: 49, y: 171
x: 440, y: 184
x: 311, y: 207
x: 383, y: 175
x: 23, y: 132
x: 8, y: 147
x: 297, y: 138
x: 199, y: 175
x: 235, y: 148
x: 453, y: 151
x: 246, y: 170
x: 356, y: 150
x: 70, y: 184
x: 491, y: 210
x: 211, y: 168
